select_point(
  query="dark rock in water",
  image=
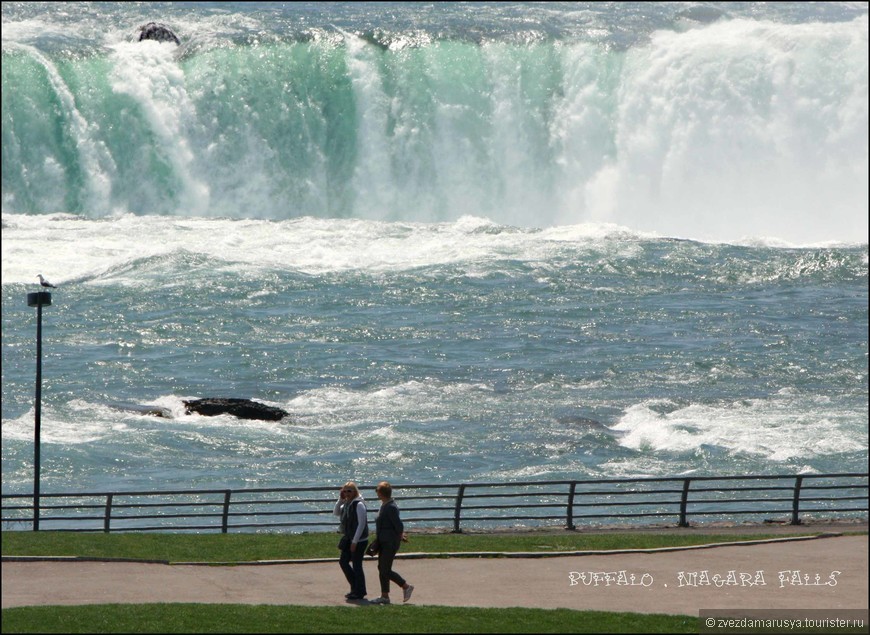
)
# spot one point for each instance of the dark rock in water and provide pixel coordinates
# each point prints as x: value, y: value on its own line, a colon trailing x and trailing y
x: 587, y: 425
x: 157, y: 31
x: 155, y: 411
x: 701, y: 13
x: 241, y: 408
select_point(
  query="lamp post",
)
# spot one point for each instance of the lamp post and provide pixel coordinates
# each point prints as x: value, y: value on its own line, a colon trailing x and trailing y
x: 39, y: 300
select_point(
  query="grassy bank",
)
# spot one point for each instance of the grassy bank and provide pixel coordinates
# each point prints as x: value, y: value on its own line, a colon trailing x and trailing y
x: 233, y: 618
x: 250, y: 547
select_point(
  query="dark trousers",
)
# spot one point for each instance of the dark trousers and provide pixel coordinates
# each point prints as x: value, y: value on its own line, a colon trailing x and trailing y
x: 352, y: 566
x: 385, y: 566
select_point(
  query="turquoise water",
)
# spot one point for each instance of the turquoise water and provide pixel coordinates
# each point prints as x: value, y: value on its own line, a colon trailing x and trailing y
x: 560, y: 241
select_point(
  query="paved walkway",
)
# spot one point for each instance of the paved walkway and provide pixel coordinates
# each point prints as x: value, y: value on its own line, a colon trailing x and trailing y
x: 828, y: 572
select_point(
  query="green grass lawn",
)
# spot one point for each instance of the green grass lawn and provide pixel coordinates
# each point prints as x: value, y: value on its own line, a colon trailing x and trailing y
x: 250, y: 547
x: 235, y: 618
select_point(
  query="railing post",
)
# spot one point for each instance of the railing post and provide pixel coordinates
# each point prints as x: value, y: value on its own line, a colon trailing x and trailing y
x: 571, y: 505
x: 226, y: 514
x: 684, y: 501
x: 457, y: 511
x: 796, y: 501
x: 108, y: 517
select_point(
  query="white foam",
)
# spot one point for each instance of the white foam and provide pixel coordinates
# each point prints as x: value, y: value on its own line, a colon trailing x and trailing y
x: 114, y: 250
x: 55, y: 428
x: 342, y: 407
x: 778, y: 429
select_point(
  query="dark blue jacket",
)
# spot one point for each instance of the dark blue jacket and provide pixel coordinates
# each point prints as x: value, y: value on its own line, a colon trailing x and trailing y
x: 388, y: 525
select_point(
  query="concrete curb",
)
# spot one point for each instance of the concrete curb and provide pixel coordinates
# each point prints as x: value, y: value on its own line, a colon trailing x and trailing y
x: 83, y: 559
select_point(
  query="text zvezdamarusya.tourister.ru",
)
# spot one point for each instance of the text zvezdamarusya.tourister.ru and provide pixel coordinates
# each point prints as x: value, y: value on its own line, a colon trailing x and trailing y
x: 732, y: 578
x: 782, y: 624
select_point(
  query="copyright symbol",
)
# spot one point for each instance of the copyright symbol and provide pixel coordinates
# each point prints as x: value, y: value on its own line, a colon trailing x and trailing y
x: 710, y: 622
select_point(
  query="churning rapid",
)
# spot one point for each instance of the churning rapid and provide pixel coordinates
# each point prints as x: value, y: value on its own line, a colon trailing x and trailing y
x: 455, y: 241
x: 712, y: 122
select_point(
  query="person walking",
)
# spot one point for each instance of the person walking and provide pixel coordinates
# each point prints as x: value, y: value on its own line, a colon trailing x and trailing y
x: 353, y: 522
x: 389, y: 534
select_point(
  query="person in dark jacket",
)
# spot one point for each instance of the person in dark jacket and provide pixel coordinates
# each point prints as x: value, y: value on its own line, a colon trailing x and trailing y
x: 390, y: 533
x: 351, y: 510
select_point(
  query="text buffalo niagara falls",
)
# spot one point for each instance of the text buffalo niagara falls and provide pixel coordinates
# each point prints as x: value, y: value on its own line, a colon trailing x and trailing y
x: 732, y: 578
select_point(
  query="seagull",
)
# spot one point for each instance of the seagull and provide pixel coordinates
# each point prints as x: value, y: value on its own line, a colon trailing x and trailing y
x: 45, y: 283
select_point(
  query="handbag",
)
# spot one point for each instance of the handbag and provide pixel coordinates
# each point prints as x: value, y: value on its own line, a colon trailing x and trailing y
x: 374, y: 548
x: 344, y: 543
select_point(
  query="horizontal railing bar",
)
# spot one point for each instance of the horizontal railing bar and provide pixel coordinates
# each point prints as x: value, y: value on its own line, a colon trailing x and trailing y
x: 626, y: 503
x: 828, y: 510
x: 478, y: 518
x: 419, y: 509
x: 515, y: 494
x: 457, y: 485
x: 141, y: 516
x: 742, y: 489
x: 166, y: 504
x: 631, y: 492
x: 219, y: 506
x: 701, y: 501
x: 48, y: 518
x: 637, y: 515
x: 771, y: 511
x: 833, y: 498
x: 165, y: 528
x: 266, y: 504
x: 75, y: 529
x: 768, y: 500
x: 433, y: 497
x: 29, y: 508
x: 638, y: 486
x: 560, y: 505
x: 252, y: 490
x: 147, y: 505
x: 287, y: 513
x: 242, y: 525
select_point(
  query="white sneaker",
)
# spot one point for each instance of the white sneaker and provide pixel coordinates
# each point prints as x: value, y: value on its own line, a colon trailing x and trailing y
x: 407, y: 593
x: 380, y: 601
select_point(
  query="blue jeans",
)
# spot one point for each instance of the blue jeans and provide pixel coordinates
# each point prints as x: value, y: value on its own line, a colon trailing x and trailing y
x: 352, y: 566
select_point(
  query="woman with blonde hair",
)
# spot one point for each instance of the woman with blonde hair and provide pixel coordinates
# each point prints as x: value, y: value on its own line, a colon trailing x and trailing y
x: 353, y: 520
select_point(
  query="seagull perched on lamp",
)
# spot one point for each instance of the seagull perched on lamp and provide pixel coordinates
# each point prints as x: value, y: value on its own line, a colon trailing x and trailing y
x: 45, y: 283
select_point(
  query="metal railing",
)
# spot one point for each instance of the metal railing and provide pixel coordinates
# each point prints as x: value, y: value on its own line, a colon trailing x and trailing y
x: 781, y: 498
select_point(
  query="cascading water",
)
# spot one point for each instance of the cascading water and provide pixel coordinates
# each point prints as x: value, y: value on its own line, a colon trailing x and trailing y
x: 734, y: 129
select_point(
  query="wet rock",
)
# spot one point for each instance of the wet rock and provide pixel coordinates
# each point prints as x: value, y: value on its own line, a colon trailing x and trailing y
x: 158, y: 32
x: 241, y: 408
